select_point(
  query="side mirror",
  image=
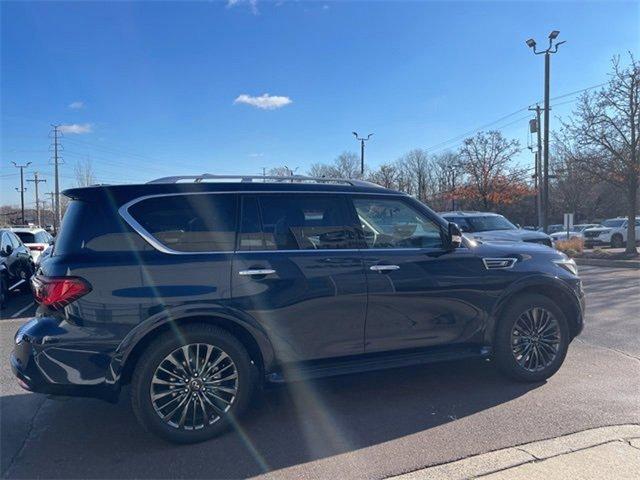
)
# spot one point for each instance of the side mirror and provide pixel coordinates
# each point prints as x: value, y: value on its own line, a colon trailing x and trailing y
x: 455, y: 236
x: 8, y: 250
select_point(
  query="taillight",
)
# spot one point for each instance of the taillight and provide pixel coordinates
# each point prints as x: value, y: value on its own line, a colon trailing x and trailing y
x: 58, y: 292
x: 39, y: 248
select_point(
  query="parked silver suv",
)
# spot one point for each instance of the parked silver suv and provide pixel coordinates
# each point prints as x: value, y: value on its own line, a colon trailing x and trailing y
x: 488, y: 227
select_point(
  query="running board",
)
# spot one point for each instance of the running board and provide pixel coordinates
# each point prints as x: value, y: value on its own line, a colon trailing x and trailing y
x: 16, y: 285
x: 293, y: 372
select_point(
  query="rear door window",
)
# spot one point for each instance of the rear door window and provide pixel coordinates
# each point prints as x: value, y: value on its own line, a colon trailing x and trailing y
x: 306, y: 222
x: 189, y: 223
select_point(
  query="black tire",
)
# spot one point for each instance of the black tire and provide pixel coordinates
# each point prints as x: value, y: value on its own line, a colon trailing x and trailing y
x: 617, y: 241
x: 163, y: 346
x: 504, y: 354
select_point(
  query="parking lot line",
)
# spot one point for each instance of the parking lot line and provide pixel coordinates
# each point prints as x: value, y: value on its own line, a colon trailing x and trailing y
x: 22, y: 310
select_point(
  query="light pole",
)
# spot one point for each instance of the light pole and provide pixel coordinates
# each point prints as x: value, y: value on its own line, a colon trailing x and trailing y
x: 552, y: 48
x: 362, y: 140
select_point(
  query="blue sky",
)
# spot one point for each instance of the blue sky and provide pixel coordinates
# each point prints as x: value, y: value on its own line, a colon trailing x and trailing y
x: 150, y: 88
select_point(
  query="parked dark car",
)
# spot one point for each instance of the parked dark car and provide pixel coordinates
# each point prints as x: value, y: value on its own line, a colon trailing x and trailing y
x: 198, y: 293
x: 16, y: 265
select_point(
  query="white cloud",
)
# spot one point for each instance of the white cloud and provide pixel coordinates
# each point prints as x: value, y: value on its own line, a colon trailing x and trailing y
x: 264, y: 102
x: 77, y: 105
x: 253, y: 5
x: 77, y: 128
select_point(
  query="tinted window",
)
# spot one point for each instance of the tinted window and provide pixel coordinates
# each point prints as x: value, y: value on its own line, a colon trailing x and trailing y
x: 251, y: 236
x: 461, y: 222
x: 26, y: 237
x: 15, y: 241
x: 190, y: 223
x: 5, y: 241
x: 392, y: 223
x: 306, y: 222
x: 613, y: 223
x: 488, y: 223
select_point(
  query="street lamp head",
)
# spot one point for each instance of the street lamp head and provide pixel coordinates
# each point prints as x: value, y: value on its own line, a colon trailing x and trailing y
x: 355, y: 134
x: 531, y: 43
x: 553, y: 35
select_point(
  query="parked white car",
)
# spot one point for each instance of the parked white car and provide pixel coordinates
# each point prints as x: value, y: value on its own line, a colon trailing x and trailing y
x: 576, y: 232
x: 612, y: 232
x: 36, y: 239
x: 491, y: 227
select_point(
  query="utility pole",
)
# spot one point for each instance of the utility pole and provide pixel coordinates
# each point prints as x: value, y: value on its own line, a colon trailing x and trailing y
x: 21, y: 189
x: 362, y: 140
x: 538, y: 167
x: 545, y: 149
x: 52, y: 196
x: 56, y: 161
x: 36, y: 181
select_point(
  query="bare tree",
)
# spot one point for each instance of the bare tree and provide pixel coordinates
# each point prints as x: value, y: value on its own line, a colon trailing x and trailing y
x: 346, y: 165
x: 486, y: 159
x: 282, y: 171
x: 417, y: 168
x: 606, y: 130
x: 386, y: 176
x: 84, y: 173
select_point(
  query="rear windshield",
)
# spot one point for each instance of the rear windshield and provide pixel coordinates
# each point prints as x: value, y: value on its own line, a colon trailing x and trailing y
x: 26, y: 237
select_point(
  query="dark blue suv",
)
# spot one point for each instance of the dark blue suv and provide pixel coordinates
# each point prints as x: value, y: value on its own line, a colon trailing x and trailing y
x: 196, y: 291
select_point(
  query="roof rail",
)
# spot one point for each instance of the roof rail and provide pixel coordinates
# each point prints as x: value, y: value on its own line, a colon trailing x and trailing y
x: 263, y: 178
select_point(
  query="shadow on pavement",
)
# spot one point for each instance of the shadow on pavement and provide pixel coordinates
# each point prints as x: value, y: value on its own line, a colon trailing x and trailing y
x: 290, y: 425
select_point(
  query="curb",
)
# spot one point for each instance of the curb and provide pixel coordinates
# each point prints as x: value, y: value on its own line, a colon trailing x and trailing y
x: 498, y: 460
x: 603, y: 262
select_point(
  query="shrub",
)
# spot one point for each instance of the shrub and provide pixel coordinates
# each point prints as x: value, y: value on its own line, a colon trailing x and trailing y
x: 572, y: 247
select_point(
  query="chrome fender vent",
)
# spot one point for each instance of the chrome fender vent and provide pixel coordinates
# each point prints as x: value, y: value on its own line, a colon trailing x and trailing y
x: 498, y: 263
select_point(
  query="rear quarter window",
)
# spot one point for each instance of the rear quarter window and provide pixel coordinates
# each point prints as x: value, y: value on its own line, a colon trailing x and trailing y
x: 189, y: 223
x: 89, y: 226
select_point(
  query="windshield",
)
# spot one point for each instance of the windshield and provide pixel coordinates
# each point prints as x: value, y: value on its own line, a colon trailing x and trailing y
x: 483, y: 223
x: 613, y: 223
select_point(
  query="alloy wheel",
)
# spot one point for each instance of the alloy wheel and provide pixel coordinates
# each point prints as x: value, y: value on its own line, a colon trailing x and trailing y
x: 194, y: 386
x: 535, y: 339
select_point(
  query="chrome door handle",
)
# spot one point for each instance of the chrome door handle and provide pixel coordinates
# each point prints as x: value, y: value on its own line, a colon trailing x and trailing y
x: 258, y: 271
x: 384, y: 268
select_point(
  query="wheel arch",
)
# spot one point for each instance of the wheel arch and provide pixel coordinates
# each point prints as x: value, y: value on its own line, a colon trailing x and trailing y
x: 254, y: 340
x: 553, y: 289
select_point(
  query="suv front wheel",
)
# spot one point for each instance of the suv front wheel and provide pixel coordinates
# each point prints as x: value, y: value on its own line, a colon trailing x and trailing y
x: 532, y: 339
x: 188, y: 387
x: 617, y: 241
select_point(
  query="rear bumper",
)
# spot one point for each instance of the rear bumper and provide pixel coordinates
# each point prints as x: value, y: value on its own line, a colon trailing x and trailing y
x: 39, y: 367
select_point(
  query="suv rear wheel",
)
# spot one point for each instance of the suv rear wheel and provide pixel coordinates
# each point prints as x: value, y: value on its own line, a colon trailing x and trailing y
x: 532, y: 339
x: 617, y: 241
x: 189, y: 387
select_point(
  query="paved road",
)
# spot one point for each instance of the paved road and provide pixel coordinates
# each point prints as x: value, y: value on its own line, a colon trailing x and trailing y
x: 371, y: 425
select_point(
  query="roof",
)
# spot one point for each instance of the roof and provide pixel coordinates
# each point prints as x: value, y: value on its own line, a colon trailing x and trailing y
x: 26, y: 229
x: 469, y: 213
x: 123, y: 193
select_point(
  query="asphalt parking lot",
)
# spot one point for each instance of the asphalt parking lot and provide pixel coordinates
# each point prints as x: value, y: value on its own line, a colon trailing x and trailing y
x: 370, y: 425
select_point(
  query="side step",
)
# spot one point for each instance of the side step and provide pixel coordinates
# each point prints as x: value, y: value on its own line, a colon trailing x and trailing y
x: 364, y: 363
